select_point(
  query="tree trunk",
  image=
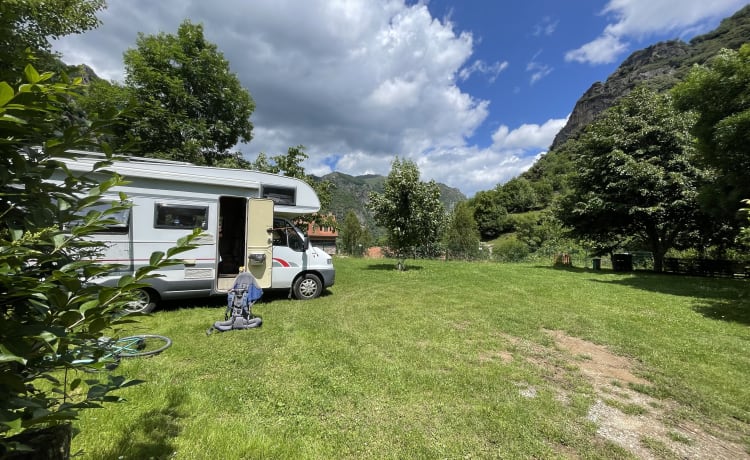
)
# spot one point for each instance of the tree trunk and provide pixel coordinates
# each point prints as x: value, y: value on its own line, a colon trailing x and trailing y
x: 52, y: 443
x: 659, y: 245
x: 659, y: 260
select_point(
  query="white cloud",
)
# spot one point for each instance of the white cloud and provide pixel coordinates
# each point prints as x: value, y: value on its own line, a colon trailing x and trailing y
x: 357, y: 82
x: 640, y: 19
x: 528, y: 136
x: 477, y: 168
x: 481, y: 67
x: 546, y: 26
x: 538, y: 70
x: 603, y: 50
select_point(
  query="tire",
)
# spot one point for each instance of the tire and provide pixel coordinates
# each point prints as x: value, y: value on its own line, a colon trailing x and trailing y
x: 307, y: 286
x: 141, y: 345
x: 145, y: 302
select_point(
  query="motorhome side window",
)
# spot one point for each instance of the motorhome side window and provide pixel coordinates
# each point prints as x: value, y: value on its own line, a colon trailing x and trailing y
x: 279, y: 195
x: 180, y: 216
x: 117, y: 221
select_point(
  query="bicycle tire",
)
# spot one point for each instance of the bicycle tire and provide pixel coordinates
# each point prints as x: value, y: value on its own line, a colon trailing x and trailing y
x: 152, y: 344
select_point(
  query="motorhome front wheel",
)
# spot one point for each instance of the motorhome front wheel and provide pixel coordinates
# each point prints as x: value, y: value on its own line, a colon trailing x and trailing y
x: 307, y: 286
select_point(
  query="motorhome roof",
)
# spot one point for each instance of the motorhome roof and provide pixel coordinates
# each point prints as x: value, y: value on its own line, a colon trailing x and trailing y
x: 306, y: 200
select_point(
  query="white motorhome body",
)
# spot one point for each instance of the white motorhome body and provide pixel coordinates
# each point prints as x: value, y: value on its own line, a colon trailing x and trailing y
x: 245, y: 217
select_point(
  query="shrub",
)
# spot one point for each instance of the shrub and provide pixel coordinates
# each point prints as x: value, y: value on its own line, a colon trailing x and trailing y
x: 50, y: 313
x: 510, y: 250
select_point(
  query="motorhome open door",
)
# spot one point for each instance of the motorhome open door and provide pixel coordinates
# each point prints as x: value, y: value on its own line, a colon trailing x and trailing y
x: 259, y: 240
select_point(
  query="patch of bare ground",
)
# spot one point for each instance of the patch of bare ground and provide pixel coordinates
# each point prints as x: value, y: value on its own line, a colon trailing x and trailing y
x: 639, y: 423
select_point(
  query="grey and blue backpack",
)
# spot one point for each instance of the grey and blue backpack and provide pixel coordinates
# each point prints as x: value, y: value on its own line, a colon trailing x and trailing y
x: 240, y: 299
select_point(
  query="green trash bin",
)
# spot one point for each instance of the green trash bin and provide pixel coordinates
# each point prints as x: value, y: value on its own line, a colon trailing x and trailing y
x: 596, y: 263
x: 622, y: 262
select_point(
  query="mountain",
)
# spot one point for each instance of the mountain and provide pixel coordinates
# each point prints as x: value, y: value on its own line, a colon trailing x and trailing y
x: 351, y: 193
x: 659, y: 66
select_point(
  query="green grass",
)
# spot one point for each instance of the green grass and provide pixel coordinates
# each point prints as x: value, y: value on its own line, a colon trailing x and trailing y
x: 425, y: 364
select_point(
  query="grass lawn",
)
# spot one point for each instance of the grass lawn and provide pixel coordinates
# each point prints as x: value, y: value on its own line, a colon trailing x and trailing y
x: 445, y: 360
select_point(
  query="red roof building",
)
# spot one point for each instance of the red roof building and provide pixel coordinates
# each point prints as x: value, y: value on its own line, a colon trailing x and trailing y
x: 323, y: 237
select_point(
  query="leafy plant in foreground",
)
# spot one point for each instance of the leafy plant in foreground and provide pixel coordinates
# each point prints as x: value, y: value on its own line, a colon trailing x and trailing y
x: 51, y: 315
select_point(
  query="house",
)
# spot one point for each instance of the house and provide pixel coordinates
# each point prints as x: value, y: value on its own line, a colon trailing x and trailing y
x: 323, y: 237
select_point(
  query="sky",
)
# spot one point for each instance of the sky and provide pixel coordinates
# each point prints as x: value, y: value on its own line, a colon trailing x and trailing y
x: 472, y: 91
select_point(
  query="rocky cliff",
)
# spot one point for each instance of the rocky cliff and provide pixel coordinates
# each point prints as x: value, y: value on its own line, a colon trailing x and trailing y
x: 659, y: 66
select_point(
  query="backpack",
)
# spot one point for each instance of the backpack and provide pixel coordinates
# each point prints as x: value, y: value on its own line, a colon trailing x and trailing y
x: 240, y: 299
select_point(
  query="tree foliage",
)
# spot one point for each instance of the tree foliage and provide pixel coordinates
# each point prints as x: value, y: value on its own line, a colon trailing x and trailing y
x: 28, y: 25
x: 355, y: 238
x: 539, y: 228
x: 492, y: 208
x: 290, y: 165
x: 553, y: 170
x: 51, y: 316
x: 720, y: 93
x: 517, y: 195
x: 410, y: 210
x: 491, y: 217
x: 190, y: 106
x: 461, y: 238
x: 636, y: 176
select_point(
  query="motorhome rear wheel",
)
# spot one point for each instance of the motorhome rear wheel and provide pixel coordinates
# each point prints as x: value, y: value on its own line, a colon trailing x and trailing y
x: 145, y: 302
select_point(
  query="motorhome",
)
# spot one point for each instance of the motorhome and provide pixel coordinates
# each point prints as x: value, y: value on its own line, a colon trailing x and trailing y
x: 246, y: 217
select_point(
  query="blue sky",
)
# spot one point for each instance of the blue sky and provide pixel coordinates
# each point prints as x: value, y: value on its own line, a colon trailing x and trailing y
x: 472, y: 91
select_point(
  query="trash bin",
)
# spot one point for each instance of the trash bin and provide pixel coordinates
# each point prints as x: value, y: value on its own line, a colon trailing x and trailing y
x: 622, y: 262
x: 596, y: 263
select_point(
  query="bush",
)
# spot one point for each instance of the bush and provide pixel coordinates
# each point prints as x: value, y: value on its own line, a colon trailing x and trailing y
x: 510, y: 250
x: 50, y: 313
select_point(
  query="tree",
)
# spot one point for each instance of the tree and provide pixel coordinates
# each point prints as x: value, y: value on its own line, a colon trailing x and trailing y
x: 517, y: 195
x: 462, y: 234
x: 489, y: 214
x: 720, y: 93
x: 539, y: 229
x: 409, y: 210
x: 637, y: 176
x: 50, y: 313
x: 190, y: 106
x: 103, y: 99
x: 26, y: 26
x: 355, y: 238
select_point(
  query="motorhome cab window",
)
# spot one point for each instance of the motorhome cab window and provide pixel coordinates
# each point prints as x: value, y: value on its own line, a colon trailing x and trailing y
x: 279, y: 195
x: 180, y: 216
x: 285, y: 234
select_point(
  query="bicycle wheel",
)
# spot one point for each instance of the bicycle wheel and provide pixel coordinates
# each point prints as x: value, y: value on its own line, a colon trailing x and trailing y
x: 141, y: 345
